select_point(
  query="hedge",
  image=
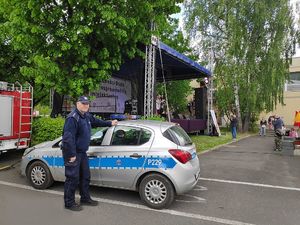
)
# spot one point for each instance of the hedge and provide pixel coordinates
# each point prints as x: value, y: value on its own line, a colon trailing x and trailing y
x: 46, y: 129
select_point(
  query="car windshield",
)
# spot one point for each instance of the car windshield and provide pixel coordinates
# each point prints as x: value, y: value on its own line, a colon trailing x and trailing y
x: 181, y: 136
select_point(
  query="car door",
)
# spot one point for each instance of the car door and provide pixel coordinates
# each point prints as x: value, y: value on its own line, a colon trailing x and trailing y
x: 95, y: 153
x: 124, y: 155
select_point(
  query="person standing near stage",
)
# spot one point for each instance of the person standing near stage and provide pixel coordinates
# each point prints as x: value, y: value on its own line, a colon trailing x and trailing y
x: 263, y: 127
x: 279, y: 132
x: 293, y: 133
x: 158, y: 103
x: 233, y: 126
x: 75, y: 143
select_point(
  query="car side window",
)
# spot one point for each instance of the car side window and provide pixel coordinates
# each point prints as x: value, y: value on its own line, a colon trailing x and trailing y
x: 98, y: 136
x: 124, y: 135
x: 145, y: 136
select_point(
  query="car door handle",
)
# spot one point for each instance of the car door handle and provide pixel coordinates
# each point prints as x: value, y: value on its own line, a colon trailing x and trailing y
x: 135, y: 155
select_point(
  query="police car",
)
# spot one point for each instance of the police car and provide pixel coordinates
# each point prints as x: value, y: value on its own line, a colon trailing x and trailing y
x: 157, y: 159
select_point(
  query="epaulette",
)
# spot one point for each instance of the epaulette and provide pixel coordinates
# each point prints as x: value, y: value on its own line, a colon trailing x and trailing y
x: 75, y: 115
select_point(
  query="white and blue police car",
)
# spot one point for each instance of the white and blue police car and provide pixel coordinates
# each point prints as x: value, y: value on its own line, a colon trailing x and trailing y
x: 157, y: 159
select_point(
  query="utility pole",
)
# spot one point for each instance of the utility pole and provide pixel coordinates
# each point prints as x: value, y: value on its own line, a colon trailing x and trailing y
x: 210, y: 90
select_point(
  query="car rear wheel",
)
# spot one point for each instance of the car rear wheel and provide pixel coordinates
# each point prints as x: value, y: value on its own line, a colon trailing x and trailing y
x: 39, y: 175
x: 157, y: 191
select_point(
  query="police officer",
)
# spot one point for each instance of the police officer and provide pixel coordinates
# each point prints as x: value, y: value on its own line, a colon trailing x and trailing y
x: 75, y: 142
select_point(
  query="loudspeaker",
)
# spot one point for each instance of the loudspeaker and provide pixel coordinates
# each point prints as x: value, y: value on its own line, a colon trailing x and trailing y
x: 201, y: 103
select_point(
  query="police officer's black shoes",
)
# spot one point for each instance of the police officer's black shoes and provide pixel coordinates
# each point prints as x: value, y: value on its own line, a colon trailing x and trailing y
x: 75, y: 207
x: 89, y: 202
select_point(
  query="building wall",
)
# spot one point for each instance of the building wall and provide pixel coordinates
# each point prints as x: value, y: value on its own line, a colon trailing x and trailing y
x: 287, y: 111
x: 295, y: 66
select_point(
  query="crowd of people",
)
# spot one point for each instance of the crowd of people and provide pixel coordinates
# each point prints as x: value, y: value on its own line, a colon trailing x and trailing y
x: 276, y: 123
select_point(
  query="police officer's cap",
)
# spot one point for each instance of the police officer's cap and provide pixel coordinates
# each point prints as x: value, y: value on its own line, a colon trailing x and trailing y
x: 83, y: 100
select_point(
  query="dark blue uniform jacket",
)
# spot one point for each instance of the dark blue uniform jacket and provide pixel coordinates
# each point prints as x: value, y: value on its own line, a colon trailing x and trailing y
x: 77, y: 132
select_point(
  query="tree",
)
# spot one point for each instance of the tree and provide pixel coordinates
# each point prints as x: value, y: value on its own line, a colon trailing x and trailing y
x: 73, y: 45
x: 10, y: 60
x: 252, y: 42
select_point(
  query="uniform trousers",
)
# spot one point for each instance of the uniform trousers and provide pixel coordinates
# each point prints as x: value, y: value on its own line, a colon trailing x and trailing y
x: 77, y: 174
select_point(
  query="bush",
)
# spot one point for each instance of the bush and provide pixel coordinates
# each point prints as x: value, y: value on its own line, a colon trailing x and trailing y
x: 46, y: 129
x: 154, y: 117
x: 43, y: 110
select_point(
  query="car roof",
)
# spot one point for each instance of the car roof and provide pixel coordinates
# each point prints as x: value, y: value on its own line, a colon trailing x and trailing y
x: 154, y: 124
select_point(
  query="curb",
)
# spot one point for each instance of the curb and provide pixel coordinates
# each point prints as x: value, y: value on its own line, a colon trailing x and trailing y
x: 219, y: 146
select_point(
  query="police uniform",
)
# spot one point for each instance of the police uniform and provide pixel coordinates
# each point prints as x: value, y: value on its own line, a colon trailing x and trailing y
x: 75, y: 142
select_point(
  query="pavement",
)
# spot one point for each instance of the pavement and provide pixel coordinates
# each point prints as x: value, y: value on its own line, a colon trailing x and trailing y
x: 255, y: 182
x: 254, y: 160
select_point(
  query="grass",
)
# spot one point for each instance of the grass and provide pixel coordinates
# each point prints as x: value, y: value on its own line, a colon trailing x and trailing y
x: 204, y: 142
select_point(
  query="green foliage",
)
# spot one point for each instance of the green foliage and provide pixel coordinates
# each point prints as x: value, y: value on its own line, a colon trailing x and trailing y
x: 177, y: 94
x: 252, y: 43
x: 46, y: 129
x: 43, y: 109
x: 74, y: 45
x: 204, y: 142
x: 154, y: 117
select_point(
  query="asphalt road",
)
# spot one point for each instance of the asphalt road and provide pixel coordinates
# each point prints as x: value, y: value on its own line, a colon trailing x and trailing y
x: 241, y: 183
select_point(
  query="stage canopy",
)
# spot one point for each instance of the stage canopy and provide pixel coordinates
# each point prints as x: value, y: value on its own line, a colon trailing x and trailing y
x: 176, y: 66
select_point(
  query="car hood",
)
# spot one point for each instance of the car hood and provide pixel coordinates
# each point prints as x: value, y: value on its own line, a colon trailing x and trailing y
x: 42, y: 145
x: 47, y: 143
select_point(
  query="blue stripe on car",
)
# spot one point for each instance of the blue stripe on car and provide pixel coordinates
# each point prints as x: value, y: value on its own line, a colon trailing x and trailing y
x: 194, y: 155
x: 119, y: 162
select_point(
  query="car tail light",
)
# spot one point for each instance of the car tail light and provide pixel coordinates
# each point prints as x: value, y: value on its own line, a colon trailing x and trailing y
x: 180, y: 155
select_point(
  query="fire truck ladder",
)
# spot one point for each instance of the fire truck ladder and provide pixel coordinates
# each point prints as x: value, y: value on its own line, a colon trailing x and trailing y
x: 25, y: 113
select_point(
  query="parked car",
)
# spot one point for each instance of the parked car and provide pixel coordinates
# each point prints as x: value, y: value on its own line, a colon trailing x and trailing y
x: 157, y: 159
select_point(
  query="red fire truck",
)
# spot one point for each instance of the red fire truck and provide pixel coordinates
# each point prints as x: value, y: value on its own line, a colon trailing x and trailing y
x: 16, y: 102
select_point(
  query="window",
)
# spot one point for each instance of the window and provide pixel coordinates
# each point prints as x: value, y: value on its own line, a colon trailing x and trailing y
x: 124, y: 135
x: 177, y: 135
x: 294, y: 83
x: 98, y: 135
x: 145, y: 136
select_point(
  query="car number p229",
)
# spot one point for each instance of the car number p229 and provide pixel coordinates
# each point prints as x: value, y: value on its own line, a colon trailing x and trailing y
x: 154, y: 162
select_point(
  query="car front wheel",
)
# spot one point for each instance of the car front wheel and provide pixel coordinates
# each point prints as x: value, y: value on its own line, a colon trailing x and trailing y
x: 156, y: 191
x: 39, y: 175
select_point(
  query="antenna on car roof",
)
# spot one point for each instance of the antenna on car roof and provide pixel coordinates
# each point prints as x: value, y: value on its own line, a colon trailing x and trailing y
x: 164, y: 80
